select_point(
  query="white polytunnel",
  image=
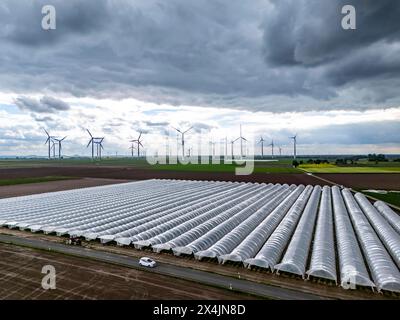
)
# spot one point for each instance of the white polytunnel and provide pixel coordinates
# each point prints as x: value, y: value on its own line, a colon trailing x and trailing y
x: 201, y: 215
x: 392, y: 217
x: 214, y: 211
x: 227, y: 243
x: 309, y: 232
x: 389, y: 237
x: 214, y: 231
x: 249, y: 247
x: 272, y: 250
x: 323, y: 261
x: 351, y: 262
x: 384, y: 272
x: 296, y: 256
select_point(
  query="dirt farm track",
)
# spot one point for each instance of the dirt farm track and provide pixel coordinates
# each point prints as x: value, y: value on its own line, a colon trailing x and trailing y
x: 357, y: 180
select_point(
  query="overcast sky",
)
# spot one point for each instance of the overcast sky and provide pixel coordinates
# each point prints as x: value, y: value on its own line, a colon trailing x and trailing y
x: 276, y: 67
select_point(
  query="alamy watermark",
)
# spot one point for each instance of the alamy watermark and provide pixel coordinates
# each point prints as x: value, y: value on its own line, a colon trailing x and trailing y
x: 349, y: 20
x: 49, y: 19
x: 203, y: 151
x: 49, y: 280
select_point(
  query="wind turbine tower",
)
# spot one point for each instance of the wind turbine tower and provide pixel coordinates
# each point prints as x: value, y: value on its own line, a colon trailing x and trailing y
x: 241, y: 138
x: 272, y: 148
x: 132, y: 147
x: 262, y: 146
x: 49, y: 140
x: 232, y: 143
x: 212, y: 144
x: 294, y: 145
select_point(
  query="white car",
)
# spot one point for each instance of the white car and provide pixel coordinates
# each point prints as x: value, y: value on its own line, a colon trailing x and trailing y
x: 147, y: 262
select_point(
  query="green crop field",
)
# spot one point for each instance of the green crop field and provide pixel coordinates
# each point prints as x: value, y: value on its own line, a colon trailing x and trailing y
x: 224, y: 168
x: 330, y: 168
x: 390, y: 197
x: 10, y: 182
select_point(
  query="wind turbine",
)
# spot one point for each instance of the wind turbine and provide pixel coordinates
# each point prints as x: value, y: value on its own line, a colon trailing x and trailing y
x: 232, y: 143
x: 262, y: 146
x: 99, y: 146
x: 132, y: 147
x: 139, y: 143
x: 241, y: 138
x: 49, y: 140
x: 91, y: 141
x: 53, y: 147
x: 294, y: 145
x: 280, y: 151
x: 95, y: 140
x: 226, y: 146
x: 59, y: 146
x: 183, y: 139
x: 272, y: 148
x: 212, y: 144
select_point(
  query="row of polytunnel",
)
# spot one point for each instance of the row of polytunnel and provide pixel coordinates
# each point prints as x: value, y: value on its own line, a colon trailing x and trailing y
x: 321, y: 232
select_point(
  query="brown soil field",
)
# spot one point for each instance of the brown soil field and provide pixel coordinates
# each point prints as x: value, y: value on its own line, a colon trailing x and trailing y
x: 389, y: 181
x: 76, y: 278
x: 130, y: 173
x: 52, y: 186
x: 357, y: 180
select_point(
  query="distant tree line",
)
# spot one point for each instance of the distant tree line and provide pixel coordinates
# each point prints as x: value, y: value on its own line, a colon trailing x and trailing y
x: 317, y: 161
x: 345, y: 161
x: 377, y: 157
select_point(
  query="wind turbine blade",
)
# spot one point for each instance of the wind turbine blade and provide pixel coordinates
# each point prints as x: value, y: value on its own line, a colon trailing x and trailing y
x: 244, y: 138
x: 140, y: 135
x: 48, y: 139
x: 140, y: 143
x: 89, y: 133
x: 189, y: 129
x: 46, y: 132
x: 101, y: 146
x: 63, y: 138
x: 177, y: 129
x: 90, y: 141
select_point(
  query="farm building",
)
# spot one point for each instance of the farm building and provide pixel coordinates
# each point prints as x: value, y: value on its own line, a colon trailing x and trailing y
x: 321, y: 232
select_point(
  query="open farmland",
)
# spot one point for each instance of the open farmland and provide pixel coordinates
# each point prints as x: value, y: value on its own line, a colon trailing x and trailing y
x: 329, y: 168
x: 82, y: 279
x: 306, y: 231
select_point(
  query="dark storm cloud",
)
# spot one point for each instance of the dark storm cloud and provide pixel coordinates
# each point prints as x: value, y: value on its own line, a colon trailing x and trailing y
x: 259, y: 55
x: 44, y: 105
x: 313, y: 38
